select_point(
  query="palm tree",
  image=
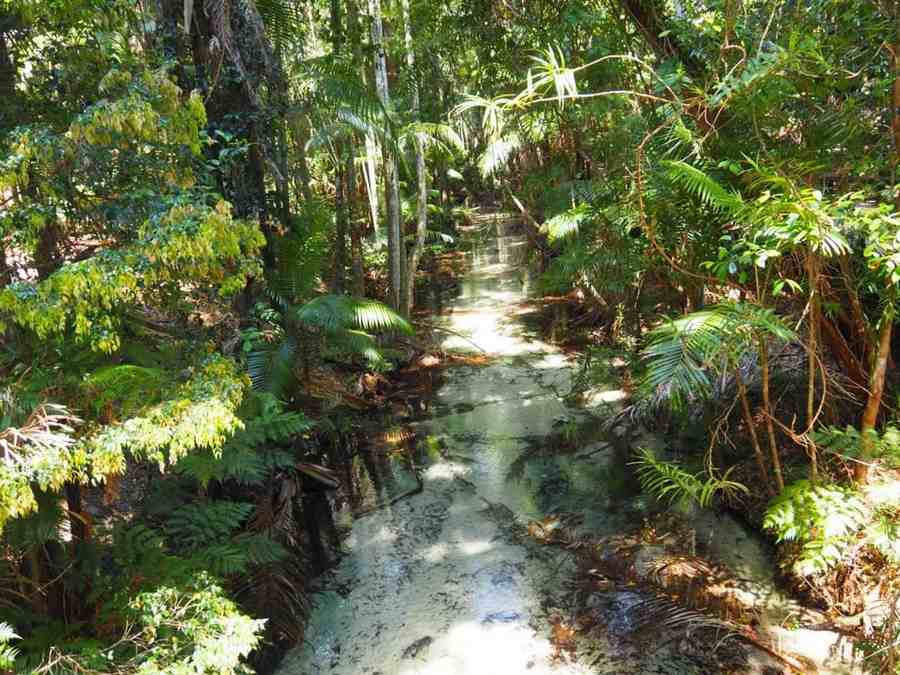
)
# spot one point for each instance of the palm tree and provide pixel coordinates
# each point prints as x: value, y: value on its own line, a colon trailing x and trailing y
x: 682, y: 354
x: 339, y: 325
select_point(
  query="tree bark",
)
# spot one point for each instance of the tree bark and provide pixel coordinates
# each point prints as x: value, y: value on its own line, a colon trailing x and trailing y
x: 876, y: 393
x: 647, y: 16
x: 357, y: 268
x: 841, y: 351
x: 421, y: 176
x: 340, y: 213
x: 340, y: 224
x: 767, y: 411
x: 751, y: 428
x: 391, y: 179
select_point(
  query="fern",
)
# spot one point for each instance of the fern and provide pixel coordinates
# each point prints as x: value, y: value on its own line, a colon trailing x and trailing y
x: 126, y: 388
x: 195, y: 526
x: 669, y: 482
x: 703, y: 186
x: 883, y: 534
x: 821, y: 519
x: 756, y: 69
x: 566, y: 224
x: 8, y: 653
x: 260, y: 548
x: 847, y: 443
x: 140, y: 548
x: 251, y: 454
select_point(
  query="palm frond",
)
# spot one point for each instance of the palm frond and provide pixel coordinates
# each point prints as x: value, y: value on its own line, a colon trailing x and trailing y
x: 441, y: 137
x: 659, y: 612
x: 703, y: 186
x: 8, y: 654
x: 283, y: 20
x: 682, y: 352
x: 340, y: 312
x: 566, y: 224
x: 498, y: 153
x: 271, y: 366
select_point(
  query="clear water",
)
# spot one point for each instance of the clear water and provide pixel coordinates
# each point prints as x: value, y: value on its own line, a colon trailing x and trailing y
x: 440, y: 583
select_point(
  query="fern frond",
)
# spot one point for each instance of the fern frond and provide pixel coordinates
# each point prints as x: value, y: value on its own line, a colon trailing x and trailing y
x: 566, y: 224
x: 200, y: 525
x: 671, y: 483
x: 704, y: 187
x: 8, y: 653
x: 821, y: 519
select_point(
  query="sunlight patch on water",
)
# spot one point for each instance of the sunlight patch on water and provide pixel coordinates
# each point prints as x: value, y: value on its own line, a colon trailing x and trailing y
x: 505, y: 647
x: 445, y: 471
x: 608, y: 396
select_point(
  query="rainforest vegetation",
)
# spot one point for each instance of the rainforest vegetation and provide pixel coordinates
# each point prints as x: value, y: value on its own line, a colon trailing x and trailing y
x: 219, y: 223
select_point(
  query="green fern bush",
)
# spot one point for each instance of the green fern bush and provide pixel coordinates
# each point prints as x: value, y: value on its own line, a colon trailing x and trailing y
x: 848, y: 443
x: 822, y: 521
x: 671, y: 483
x: 8, y: 653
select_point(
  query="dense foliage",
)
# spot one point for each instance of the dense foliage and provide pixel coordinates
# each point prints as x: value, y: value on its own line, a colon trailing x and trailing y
x: 203, y: 206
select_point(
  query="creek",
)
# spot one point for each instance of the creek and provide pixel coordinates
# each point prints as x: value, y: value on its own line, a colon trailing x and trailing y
x: 436, y: 581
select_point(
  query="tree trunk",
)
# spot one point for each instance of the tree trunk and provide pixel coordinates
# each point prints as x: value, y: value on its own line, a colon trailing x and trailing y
x: 840, y: 350
x: 860, y: 333
x: 767, y: 411
x: 340, y: 213
x: 876, y: 392
x: 895, y: 109
x: 647, y: 16
x: 391, y: 179
x: 358, y: 272
x: 340, y: 225
x: 300, y: 132
x: 421, y: 176
x: 751, y: 427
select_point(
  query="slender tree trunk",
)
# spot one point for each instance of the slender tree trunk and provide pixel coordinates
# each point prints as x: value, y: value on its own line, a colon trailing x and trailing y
x: 876, y: 393
x: 391, y: 179
x: 340, y: 213
x: 371, y: 179
x: 356, y: 225
x: 895, y: 111
x: 751, y: 427
x: 421, y: 176
x: 767, y: 411
x: 812, y: 266
x: 299, y: 127
x: 340, y: 225
x: 358, y: 272
x: 860, y: 337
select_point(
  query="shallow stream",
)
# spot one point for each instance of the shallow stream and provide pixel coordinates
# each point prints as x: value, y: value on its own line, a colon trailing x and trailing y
x: 439, y: 583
